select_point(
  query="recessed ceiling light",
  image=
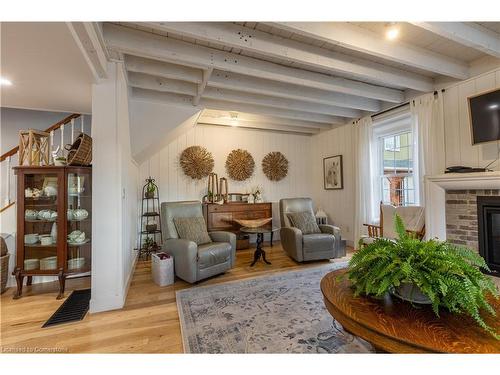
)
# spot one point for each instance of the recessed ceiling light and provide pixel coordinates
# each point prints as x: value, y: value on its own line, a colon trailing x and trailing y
x: 493, y: 106
x: 5, y: 82
x: 392, y: 31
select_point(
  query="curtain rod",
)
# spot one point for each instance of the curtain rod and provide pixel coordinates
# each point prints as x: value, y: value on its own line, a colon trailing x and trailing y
x: 397, y: 106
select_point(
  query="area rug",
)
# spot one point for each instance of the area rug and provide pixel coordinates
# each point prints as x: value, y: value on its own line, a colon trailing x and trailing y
x: 281, y: 313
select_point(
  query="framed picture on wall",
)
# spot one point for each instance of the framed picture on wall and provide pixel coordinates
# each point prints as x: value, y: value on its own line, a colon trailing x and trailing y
x: 333, y: 173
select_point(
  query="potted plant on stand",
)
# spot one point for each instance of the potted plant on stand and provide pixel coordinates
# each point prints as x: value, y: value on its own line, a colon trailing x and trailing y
x: 431, y: 272
x: 150, y: 189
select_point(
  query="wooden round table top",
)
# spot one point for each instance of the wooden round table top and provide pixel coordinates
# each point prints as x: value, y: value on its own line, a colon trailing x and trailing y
x: 394, y: 326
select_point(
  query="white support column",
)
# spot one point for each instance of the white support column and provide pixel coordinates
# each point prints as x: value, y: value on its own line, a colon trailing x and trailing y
x: 113, y: 193
x: 82, y: 124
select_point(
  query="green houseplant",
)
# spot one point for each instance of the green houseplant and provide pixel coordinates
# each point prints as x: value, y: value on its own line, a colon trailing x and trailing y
x: 150, y: 189
x: 449, y: 275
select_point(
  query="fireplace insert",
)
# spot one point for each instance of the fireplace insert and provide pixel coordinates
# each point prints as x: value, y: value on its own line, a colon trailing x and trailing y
x: 488, y: 214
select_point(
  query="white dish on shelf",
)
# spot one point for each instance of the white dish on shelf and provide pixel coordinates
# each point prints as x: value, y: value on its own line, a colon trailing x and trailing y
x: 76, y: 263
x: 87, y: 240
x: 46, y: 240
x: 31, y: 239
x: 30, y: 214
x: 31, y: 264
x: 80, y: 214
x: 76, y: 236
x: 49, y: 263
x: 49, y: 215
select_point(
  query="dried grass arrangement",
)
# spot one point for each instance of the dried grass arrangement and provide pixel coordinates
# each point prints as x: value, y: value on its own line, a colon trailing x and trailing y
x: 240, y: 165
x: 196, y: 162
x: 275, y: 166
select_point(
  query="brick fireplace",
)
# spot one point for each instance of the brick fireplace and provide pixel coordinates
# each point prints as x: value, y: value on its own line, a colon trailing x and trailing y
x: 462, y: 216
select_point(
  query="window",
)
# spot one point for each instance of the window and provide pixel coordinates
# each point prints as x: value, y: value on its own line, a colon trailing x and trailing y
x: 397, y: 180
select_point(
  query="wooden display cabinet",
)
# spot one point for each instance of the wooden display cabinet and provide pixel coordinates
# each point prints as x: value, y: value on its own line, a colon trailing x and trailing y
x: 53, y: 204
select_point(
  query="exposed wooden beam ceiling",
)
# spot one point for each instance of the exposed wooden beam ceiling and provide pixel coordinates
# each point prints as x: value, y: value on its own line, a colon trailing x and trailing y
x: 143, y: 92
x: 234, y: 81
x: 253, y: 125
x: 340, y: 104
x: 469, y: 34
x: 163, y: 69
x: 143, y: 44
x: 203, y: 84
x: 269, y: 101
x: 149, y: 82
x: 88, y: 40
x: 361, y: 40
x: 266, y: 44
x: 251, y: 117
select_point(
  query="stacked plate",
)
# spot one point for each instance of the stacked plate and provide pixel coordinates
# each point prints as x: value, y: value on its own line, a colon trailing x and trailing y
x: 49, y: 263
x: 31, y: 264
x: 76, y: 263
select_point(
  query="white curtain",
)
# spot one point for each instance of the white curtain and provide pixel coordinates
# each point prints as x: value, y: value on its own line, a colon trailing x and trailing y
x: 364, y: 165
x: 428, y: 133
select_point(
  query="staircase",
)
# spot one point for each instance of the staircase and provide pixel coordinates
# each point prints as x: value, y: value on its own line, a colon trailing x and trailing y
x: 10, y: 159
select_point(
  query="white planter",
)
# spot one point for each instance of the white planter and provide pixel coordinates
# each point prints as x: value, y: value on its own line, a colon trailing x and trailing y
x: 162, y: 270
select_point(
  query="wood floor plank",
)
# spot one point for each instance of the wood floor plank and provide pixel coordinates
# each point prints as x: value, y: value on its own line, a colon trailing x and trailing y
x: 148, y: 323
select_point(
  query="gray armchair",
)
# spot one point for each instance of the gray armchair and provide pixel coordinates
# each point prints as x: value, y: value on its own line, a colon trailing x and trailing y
x: 304, y: 247
x: 194, y: 262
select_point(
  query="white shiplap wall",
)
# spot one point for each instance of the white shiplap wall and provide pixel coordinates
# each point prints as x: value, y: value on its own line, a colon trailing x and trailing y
x: 338, y: 204
x: 175, y: 186
x: 458, y: 147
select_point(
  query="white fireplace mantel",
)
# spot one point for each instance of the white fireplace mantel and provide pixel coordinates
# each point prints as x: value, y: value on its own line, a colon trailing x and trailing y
x: 435, y: 200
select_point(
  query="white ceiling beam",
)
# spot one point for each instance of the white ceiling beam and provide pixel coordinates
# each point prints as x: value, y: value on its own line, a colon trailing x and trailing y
x: 468, y: 34
x: 163, y: 69
x: 202, y: 85
x: 324, y: 121
x: 250, y: 117
x: 361, y: 40
x: 256, y: 41
x: 327, y: 120
x: 146, y: 81
x: 234, y: 81
x: 269, y: 101
x: 89, y: 43
x: 253, y: 125
x: 139, y: 43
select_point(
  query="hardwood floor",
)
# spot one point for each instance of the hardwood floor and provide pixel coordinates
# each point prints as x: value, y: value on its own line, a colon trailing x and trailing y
x: 148, y: 323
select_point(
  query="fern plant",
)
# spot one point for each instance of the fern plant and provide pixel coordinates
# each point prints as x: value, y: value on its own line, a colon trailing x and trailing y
x: 449, y: 275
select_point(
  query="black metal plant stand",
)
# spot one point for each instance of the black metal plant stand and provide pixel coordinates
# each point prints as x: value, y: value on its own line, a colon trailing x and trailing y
x: 150, y: 199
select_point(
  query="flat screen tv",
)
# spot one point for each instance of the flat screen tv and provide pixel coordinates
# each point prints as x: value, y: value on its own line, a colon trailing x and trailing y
x: 484, y: 111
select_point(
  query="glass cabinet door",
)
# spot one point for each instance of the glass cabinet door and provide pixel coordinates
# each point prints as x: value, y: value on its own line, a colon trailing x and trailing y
x: 79, y: 223
x: 41, y: 216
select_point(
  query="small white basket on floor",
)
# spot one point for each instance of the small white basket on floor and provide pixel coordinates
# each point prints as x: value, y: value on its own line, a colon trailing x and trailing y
x: 162, y: 270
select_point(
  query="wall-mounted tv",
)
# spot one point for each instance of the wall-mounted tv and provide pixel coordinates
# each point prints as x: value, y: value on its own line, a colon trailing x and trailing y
x: 484, y: 114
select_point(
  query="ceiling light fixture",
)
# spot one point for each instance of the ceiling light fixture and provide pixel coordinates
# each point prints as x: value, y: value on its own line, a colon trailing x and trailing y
x: 5, y: 82
x: 234, y: 118
x: 392, y: 31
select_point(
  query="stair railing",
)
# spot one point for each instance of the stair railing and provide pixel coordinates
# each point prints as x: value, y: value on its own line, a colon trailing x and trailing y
x: 11, y: 158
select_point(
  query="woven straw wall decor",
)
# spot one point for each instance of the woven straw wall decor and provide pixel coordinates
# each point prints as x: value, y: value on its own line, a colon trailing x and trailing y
x: 275, y: 166
x: 240, y: 165
x: 196, y: 162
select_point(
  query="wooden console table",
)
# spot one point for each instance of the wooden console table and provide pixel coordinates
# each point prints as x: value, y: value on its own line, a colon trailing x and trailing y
x: 394, y: 326
x: 221, y: 216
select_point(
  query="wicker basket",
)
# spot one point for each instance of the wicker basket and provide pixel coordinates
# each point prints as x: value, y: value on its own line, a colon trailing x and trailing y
x: 80, y: 152
x: 4, y: 271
